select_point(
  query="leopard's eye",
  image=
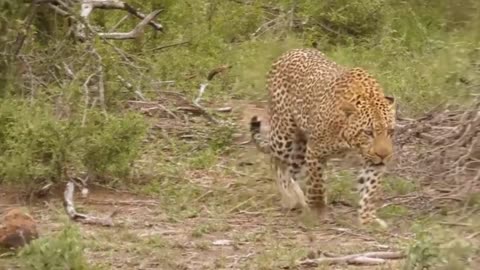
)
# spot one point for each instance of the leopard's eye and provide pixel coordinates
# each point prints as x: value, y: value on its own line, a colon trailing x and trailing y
x: 368, y: 132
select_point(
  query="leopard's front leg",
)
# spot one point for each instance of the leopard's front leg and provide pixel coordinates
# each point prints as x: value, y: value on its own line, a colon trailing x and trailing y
x: 315, y: 182
x: 369, y: 183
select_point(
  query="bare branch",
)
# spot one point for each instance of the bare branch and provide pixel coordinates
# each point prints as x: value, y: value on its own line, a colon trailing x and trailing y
x: 135, y: 32
x: 115, y: 4
x: 86, y: 93
x: 23, y: 34
x: 86, y: 8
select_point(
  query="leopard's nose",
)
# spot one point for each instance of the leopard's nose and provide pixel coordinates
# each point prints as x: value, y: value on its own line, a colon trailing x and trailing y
x: 383, y: 149
x: 383, y: 154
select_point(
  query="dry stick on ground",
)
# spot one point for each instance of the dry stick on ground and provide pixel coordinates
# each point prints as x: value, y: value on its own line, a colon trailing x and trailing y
x: 196, y: 107
x: 367, y: 258
x: 82, y: 218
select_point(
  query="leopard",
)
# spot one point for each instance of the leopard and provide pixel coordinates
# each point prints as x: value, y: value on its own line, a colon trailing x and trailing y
x: 320, y: 110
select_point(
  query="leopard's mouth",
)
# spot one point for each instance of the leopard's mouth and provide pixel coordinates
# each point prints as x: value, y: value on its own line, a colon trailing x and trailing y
x: 379, y: 164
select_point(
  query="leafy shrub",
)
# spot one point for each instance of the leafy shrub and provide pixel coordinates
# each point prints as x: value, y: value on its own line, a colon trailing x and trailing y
x: 37, y: 146
x: 62, y: 250
x: 434, y: 248
x: 343, y: 20
x: 34, y: 144
x: 113, y: 144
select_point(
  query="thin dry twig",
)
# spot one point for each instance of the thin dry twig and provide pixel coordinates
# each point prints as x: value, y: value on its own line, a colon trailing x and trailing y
x: 136, y: 32
x: 367, y: 258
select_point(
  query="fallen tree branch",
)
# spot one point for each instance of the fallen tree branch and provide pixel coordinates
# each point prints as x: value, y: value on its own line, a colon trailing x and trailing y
x: 135, y: 32
x: 66, y: 8
x: 201, y: 91
x: 367, y: 258
x: 82, y: 218
x: 103, y: 4
x: 116, y: 4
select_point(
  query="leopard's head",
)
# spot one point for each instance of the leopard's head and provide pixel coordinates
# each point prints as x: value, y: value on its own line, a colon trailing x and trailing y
x: 369, y: 115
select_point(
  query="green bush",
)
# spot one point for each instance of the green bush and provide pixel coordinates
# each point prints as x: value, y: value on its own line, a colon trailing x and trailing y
x: 37, y: 146
x: 343, y: 20
x: 112, y: 144
x: 34, y: 144
x: 436, y: 248
x: 62, y: 250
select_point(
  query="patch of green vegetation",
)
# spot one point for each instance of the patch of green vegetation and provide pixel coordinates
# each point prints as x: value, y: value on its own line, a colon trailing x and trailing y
x: 64, y: 249
x: 396, y: 186
x: 210, y: 227
x: 342, y: 187
x: 176, y: 196
x: 37, y: 146
x: 276, y: 256
x: 393, y: 211
x: 473, y: 200
x: 434, y: 247
x: 202, y: 245
x: 113, y: 144
x: 203, y: 159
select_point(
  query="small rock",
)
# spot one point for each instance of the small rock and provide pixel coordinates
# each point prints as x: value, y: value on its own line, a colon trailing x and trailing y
x: 222, y: 242
x: 17, y: 229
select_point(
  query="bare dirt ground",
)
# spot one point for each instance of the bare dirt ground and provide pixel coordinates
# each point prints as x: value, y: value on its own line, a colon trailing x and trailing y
x: 146, y: 237
x: 226, y: 215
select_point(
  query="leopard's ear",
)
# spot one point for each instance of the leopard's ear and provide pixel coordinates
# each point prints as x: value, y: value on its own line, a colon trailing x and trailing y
x: 347, y: 107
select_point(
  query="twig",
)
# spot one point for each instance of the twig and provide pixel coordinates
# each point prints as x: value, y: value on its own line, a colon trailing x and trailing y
x: 102, y: 4
x: 224, y: 109
x: 133, y: 33
x: 171, y: 45
x: 203, y: 86
x: 456, y: 224
x: 86, y: 93
x: 118, y: 23
x: 240, y: 205
x: 101, y: 86
x: 58, y: 10
x: 202, y: 89
x: 473, y: 235
x: 127, y: 202
x: 368, y: 258
x: 23, y: 34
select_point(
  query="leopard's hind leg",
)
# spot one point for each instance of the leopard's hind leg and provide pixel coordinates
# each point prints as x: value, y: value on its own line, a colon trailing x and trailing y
x: 290, y: 168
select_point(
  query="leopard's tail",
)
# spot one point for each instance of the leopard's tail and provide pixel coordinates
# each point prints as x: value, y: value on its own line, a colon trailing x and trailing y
x: 262, y: 143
